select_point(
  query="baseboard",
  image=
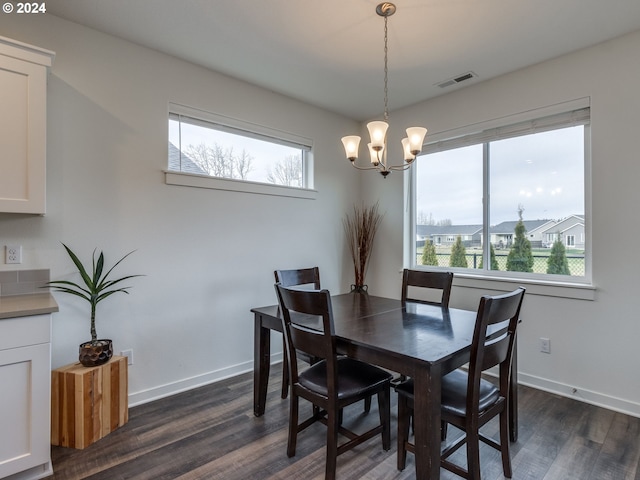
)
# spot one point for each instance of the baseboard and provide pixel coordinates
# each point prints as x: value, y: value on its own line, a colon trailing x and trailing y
x: 156, y: 393
x: 570, y: 391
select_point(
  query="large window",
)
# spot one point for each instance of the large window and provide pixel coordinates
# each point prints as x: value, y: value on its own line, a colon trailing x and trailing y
x: 506, y: 201
x: 206, y: 144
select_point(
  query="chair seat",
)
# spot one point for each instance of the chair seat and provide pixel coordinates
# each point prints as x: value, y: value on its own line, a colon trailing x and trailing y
x: 355, y: 378
x: 454, y: 393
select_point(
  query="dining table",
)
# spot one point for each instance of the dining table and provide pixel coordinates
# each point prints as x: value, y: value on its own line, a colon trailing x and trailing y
x: 420, y: 340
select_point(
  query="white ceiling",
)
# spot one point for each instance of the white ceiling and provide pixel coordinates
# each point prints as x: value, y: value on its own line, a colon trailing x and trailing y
x: 330, y: 53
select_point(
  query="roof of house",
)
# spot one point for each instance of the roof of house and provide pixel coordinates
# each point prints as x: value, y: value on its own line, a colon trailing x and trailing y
x: 428, y: 230
x: 510, y: 226
x: 182, y: 163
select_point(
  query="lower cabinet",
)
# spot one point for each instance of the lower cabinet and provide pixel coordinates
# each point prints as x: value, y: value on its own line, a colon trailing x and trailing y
x: 25, y: 382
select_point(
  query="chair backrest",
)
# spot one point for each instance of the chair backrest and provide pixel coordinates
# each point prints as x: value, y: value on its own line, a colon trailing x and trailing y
x: 433, y: 280
x: 307, y: 320
x: 493, y: 341
x: 301, y: 276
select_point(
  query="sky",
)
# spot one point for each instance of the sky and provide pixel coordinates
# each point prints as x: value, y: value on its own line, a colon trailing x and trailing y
x: 542, y: 172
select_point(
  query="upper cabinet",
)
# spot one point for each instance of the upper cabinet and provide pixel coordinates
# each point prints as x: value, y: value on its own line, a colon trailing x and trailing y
x: 23, y: 126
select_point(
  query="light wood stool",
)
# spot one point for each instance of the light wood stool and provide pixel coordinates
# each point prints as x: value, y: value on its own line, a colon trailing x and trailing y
x: 87, y: 403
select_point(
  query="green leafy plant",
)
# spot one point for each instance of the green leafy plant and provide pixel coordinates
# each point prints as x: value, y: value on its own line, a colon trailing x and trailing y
x: 96, y: 287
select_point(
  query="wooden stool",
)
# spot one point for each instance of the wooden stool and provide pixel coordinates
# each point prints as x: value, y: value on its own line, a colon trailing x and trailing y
x: 87, y: 403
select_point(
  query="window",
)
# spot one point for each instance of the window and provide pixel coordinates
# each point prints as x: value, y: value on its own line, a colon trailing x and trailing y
x: 532, y: 174
x: 209, y: 145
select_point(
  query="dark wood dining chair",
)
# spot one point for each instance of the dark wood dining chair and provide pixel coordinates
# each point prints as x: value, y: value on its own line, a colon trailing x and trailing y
x: 331, y: 384
x: 309, y: 277
x: 431, y: 280
x: 467, y: 400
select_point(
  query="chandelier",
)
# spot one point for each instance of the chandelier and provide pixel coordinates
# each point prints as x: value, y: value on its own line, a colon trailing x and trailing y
x: 411, y: 145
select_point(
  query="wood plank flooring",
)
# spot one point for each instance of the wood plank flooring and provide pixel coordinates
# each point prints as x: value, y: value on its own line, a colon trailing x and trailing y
x: 211, y: 433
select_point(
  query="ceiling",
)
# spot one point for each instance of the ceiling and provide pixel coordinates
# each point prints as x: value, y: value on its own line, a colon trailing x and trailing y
x: 330, y: 53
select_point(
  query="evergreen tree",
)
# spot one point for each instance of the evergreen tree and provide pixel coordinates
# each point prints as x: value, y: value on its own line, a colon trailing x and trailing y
x: 458, y: 254
x: 557, y: 263
x: 520, y: 258
x: 429, y: 256
x: 493, y: 261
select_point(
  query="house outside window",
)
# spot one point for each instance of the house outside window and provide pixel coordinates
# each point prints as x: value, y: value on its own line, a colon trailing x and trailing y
x: 533, y: 174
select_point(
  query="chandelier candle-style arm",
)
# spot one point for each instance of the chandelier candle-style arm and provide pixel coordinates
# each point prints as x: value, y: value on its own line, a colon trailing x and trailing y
x: 411, y: 146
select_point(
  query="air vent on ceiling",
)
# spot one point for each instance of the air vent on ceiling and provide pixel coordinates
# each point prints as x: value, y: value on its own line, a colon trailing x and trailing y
x: 456, y: 80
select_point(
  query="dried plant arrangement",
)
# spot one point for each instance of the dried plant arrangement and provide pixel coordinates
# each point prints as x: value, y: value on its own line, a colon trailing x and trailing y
x: 360, y: 229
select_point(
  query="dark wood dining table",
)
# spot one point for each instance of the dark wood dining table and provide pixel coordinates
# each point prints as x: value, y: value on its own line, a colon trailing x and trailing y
x: 419, y: 340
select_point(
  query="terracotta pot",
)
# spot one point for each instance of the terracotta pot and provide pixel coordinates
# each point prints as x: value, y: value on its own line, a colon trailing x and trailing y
x: 92, y: 355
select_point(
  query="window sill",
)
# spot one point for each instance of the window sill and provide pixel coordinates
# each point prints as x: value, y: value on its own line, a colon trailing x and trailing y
x: 575, y: 291
x: 203, y: 181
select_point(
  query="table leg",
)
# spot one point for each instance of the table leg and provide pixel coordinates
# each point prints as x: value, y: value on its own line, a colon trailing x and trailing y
x: 261, y: 365
x: 427, y: 385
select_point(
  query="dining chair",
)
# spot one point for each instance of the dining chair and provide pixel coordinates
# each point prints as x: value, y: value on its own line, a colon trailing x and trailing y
x: 331, y: 384
x: 467, y: 400
x: 431, y: 280
x: 309, y: 277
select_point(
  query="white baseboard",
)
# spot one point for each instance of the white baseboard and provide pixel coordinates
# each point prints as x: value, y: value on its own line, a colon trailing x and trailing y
x: 570, y: 391
x: 156, y: 393
x: 594, y: 398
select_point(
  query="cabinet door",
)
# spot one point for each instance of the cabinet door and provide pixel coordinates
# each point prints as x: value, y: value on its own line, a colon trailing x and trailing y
x: 23, y: 103
x: 24, y: 408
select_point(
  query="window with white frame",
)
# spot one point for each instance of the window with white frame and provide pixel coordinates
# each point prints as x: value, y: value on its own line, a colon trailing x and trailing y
x: 516, y: 185
x: 207, y: 144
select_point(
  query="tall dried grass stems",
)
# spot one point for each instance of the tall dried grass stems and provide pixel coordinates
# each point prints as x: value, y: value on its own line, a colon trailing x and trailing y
x: 361, y: 229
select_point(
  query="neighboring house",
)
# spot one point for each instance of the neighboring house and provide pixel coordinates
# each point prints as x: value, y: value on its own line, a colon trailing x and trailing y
x: 569, y: 230
x: 445, y: 235
x: 182, y: 163
x: 541, y: 233
x: 503, y: 233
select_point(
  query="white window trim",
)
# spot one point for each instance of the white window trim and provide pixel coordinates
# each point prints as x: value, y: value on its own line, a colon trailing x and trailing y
x: 536, y: 285
x: 218, y: 183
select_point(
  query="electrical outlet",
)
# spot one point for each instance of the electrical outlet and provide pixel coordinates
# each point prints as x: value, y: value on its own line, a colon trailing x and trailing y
x: 13, y: 254
x: 129, y: 355
x: 545, y: 345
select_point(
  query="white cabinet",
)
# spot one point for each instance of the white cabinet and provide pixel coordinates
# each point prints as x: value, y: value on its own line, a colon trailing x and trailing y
x: 23, y: 126
x: 25, y: 382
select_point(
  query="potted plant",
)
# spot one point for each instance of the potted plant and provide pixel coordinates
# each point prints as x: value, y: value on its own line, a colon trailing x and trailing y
x: 360, y: 230
x: 94, y: 288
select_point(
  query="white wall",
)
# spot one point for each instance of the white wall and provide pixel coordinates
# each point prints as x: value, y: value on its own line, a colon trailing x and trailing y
x: 593, y: 343
x: 208, y: 255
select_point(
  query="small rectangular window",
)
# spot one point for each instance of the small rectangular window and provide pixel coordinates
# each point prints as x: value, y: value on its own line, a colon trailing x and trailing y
x: 201, y: 143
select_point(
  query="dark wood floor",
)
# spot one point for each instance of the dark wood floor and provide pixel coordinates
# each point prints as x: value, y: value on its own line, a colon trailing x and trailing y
x: 211, y: 433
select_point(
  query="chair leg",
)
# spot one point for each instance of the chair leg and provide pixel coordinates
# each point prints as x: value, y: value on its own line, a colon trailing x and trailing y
x: 504, y: 443
x: 293, y: 426
x: 404, y: 415
x: 284, y: 392
x: 444, y: 427
x: 367, y: 404
x: 333, y: 419
x: 473, y: 455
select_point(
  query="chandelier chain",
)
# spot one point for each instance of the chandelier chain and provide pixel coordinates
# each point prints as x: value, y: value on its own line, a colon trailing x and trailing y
x: 386, y: 74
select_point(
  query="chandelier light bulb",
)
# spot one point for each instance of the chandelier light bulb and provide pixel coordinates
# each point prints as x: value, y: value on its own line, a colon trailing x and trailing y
x: 351, y: 144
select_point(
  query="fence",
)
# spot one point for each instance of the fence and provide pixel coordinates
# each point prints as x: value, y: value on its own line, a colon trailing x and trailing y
x: 576, y: 262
